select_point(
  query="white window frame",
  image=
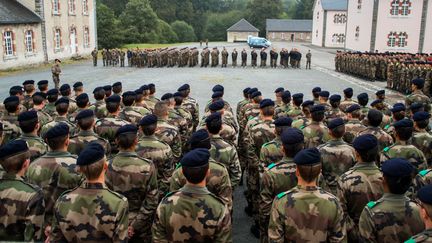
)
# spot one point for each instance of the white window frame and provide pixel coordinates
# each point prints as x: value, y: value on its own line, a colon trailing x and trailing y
x: 8, y: 40
x: 71, y: 7
x: 402, y: 40
x: 273, y: 35
x: 394, y: 10
x: 392, y: 40
x: 29, y: 41
x: 56, y: 6
x: 57, y: 39
x: 405, y: 8
x: 282, y: 36
x: 86, y: 37
x: 85, y: 7
x: 359, y: 4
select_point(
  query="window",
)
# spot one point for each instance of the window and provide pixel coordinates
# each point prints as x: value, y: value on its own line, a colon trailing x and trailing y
x: 397, y: 39
x: 85, y: 6
x: 8, y: 43
x: 338, y: 38
x: 56, y: 6
x: 359, y: 4
x: 405, y: 8
x: 57, y: 39
x: 343, y: 18
x: 283, y: 36
x: 273, y: 35
x: 402, y: 39
x: 394, y: 10
x: 318, y: 15
x: 29, y: 41
x: 392, y: 39
x: 71, y: 5
x: 316, y: 33
x: 357, y: 32
x: 87, y: 37
x: 336, y: 18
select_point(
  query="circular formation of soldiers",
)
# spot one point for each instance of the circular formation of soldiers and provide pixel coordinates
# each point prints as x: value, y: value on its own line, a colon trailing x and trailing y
x: 189, y: 57
x: 398, y: 69
x: 132, y: 167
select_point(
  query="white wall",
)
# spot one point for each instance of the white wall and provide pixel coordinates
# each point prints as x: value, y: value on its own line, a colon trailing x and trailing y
x: 318, y: 24
x: 334, y: 28
x: 363, y: 19
x: 427, y: 48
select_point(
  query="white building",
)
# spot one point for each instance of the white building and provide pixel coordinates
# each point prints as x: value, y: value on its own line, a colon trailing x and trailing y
x: 329, y: 23
x: 37, y: 31
x: 389, y: 25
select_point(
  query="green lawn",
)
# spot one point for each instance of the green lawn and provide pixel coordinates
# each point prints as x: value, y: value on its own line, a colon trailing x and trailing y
x: 145, y: 45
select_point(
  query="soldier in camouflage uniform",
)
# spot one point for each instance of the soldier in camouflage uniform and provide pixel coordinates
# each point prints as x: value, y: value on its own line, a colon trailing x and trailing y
x: 283, y: 108
x: 100, y: 106
x: 206, y: 216
x: 229, y: 126
x: 337, y: 156
x: 316, y: 133
x: 347, y: 102
x: 9, y: 119
x: 50, y: 108
x: 91, y: 211
x: 279, y: 176
x: 393, y: 217
x: 62, y: 106
x: 353, y: 125
x: 165, y: 131
x: 39, y: 100
x: 135, y: 178
x: 296, y: 111
x: 129, y: 112
x: 306, y: 213
x: 374, y: 120
x: 334, y: 112
x: 304, y: 120
x: 421, y: 139
x: 425, y: 201
x: 180, y: 110
x: 417, y: 95
x: 65, y: 91
x: 190, y: 104
x: 363, y: 100
x: 315, y: 94
x: 360, y: 184
x: 83, y: 103
x: 278, y: 96
x: 29, y: 89
x: 30, y: 125
x: 175, y: 119
x: 159, y: 152
x: 323, y: 100
x: 22, y: 204
x: 242, y: 103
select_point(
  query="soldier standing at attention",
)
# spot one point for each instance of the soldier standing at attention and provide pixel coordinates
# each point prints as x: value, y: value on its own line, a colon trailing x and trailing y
x: 273, y: 58
x: 353, y: 124
x: 425, y: 199
x: 244, y: 58
x: 374, y: 121
x: 122, y: 58
x: 422, y: 139
x: 263, y: 56
x: 62, y: 106
x: 394, y: 217
x: 73, y: 221
x: 224, y: 57
x: 308, y: 60
x: 347, y: 102
x: 307, y: 208
x: 234, y: 55
x: 417, y: 95
x: 94, y: 54
x: 206, y: 216
x: 104, y: 57
x: 316, y: 132
x: 30, y: 126
x: 254, y: 57
x: 56, y: 71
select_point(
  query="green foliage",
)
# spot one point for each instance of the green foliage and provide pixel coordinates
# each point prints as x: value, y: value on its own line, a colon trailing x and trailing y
x: 116, y: 5
x: 302, y: 9
x: 107, y: 25
x: 166, y: 33
x: 184, y: 31
x: 218, y: 23
x: 260, y: 10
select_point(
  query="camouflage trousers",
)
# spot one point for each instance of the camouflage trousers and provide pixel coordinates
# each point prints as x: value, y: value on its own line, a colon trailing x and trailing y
x: 95, y: 61
x: 253, y: 195
x: 56, y: 80
x: 263, y: 63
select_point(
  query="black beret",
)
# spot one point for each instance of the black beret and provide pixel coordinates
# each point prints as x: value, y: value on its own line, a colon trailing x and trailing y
x: 218, y: 87
x: 41, y: 94
x: 335, y: 98
x: 78, y: 84
x: 82, y: 97
x: 28, y: 116
x: 418, y: 82
x: 196, y: 158
x: 255, y: 94
x: 316, y: 90
x: 113, y: 99
x: 139, y: 91
x: 53, y: 92
x: 348, y: 91
x: 376, y: 102
x: 16, y: 89
x: 421, y: 116
x: 352, y: 108
x: 398, y: 107
x: 416, y: 106
x: 177, y: 94
x: 425, y: 194
x: 199, y: 136
x: 117, y: 84
x: 85, y: 114
x: 317, y: 108
x: 324, y: 94
x: 308, y: 103
x: 11, y: 99
x: 217, y: 105
x: 280, y: 89
x: 286, y: 94
x: 129, y: 93
x: 127, y: 129
x: 335, y: 123
x: 151, y: 85
x: 283, y: 122
x: 310, y: 156
x: 148, y: 120
x: 93, y: 153
x: 246, y: 90
x: 363, y: 96
x: 297, y: 96
x: 365, y: 142
x: 292, y: 136
x: 27, y: 82
x: 13, y: 148
x: 107, y: 87
x: 183, y: 87
x: 266, y: 102
x: 217, y: 94
x: 403, y: 123
x: 59, y: 130
x: 64, y: 87
x: 42, y: 82
x: 397, y: 168
x: 214, y: 116
x: 252, y: 90
x: 380, y: 92
x: 62, y: 100
x: 144, y: 87
x: 97, y: 89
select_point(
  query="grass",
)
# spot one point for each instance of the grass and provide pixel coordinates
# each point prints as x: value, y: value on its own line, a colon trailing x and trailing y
x: 149, y: 46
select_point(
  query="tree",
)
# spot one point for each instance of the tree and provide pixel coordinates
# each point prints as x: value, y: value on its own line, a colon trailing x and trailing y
x: 108, y: 34
x: 218, y: 23
x: 166, y: 33
x: 302, y: 9
x: 165, y: 9
x: 116, y: 5
x: 260, y: 10
x: 184, y: 31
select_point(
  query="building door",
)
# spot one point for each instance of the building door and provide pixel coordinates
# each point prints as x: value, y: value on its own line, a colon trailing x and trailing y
x: 292, y: 37
x: 73, y: 41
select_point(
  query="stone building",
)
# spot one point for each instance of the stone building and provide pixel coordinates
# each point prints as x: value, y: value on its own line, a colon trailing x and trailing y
x: 329, y: 23
x: 37, y: 31
x: 240, y: 31
x: 289, y: 30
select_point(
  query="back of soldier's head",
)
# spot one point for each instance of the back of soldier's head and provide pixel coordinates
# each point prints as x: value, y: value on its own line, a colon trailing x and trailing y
x: 99, y: 94
x: 13, y: 156
x: 178, y: 100
x: 86, y: 124
x: 200, y: 139
x: 214, y: 123
x: 62, y: 108
x: 374, y: 117
x: 126, y: 136
x: 367, y: 147
x: 112, y: 107
x: 292, y: 141
x: 404, y: 133
x: 38, y: 99
x: 92, y: 161
x: 318, y: 116
x: 12, y: 107
x: 268, y: 110
x: 195, y: 165
x: 28, y: 126
x: 128, y: 100
x: 161, y: 109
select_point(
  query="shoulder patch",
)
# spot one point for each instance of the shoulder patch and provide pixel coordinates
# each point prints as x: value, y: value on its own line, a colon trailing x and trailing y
x: 178, y: 165
x: 371, y: 204
x: 387, y: 127
x: 272, y: 165
x: 386, y: 149
x: 302, y: 127
x: 411, y: 240
x: 281, y: 195
x: 423, y: 173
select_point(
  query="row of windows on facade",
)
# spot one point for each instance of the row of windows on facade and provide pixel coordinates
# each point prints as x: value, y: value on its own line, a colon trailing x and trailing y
x: 397, y: 7
x: 394, y: 39
x: 56, y: 7
x: 290, y: 35
x: 29, y: 41
x: 340, y: 19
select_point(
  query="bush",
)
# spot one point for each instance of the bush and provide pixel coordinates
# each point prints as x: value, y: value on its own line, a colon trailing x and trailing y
x: 184, y: 31
x: 166, y: 33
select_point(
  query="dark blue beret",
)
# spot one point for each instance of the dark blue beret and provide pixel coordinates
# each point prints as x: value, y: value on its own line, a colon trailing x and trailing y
x: 28, y: 116
x: 42, y: 82
x: 27, y: 82
x: 78, y: 84
x: 151, y: 85
x: 292, y: 136
x: 127, y: 129
x: 363, y: 96
x: 107, y: 87
x: 246, y: 90
x: 352, y: 108
x: 398, y: 107
x: 62, y: 100
x: 82, y: 97
x: 16, y: 89
x: 335, y: 98
x: 59, y: 130
x: 13, y: 148
x: 297, y: 96
x: 425, y: 194
x: 348, y: 91
x: 217, y: 88
x: 266, y: 102
x: 403, y: 123
x: 418, y: 82
x: 252, y: 90
x: 148, y: 120
x: 199, y: 136
x: 177, y: 94
x: 117, y: 84
x: 144, y: 87
x: 416, y: 106
x: 217, y: 94
x: 286, y: 94
x: 53, y: 92
x: 214, y: 116
x: 376, y: 102
x: 365, y: 142
x: 97, y: 89
x: 217, y: 105
x: 283, y: 122
x: 255, y: 94
x: 11, y: 99
x: 317, y: 108
x: 310, y: 156
x: 196, y: 158
x: 41, y: 94
x: 335, y: 123
x: 316, y: 90
x: 380, y: 92
x: 65, y: 87
x: 138, y: 91
x: 93, y: 153
x: 184, y: 87
x: 324, y: 94
x: 129, y: 93
x: 280, y: 89
x: 85, y: 114
x: 113, y: 99
x: 421, y: 115
x: 397, y: 168
x: 308, y: 103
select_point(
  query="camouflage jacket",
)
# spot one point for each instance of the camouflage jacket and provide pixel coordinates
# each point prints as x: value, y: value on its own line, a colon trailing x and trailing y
x: 11, y: 129
x: 135, y: 178
x: 50, y: 109
x: 151, y: 101
x: 192, y: 214
x: 423, y: 141
x: 191, y: 105
x: 356, y: 187
x: 282, y: 110
x: 306, y: 214
x: 130, y: 114
x: 107, y: 129
x: 425, y: 236
x: 352, y: 128
x: 227, y: 106
x: 295, y: 112
x: 78, y: 142
x: 37, y: 146
x: 422, y: 179
x: 43, y: 116
x: 170, y: 135
x: 364, y: 112
x: 301, y: 123
x: 315, y: 134
x: 240, y: 105
x: 345, y: 104
x: 90, y: 212
x: 176, y: 120
x: 393, y: 218
x: 259, y: 134
x: 334, y: 113
x: 403, y: 150
x: 186, y: 115
x: 384, y: 140
x: 337, y: 157
x: 72, y: 116
x: 58, y: 119
x: 100, y: 109
x: 226, y: 154
x: 271, y: 152
x: 28, y: 101
x: 22, y: 209
x: 418, y: 97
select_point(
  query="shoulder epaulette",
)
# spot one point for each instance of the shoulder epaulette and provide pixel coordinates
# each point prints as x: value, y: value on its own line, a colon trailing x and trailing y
x: 272, y: 165
x: 178, y: 165
x: 302, y: 127
x: 387, y: 127
x: 386, y: 149
x: 411, y: 240
x: 281, y: 195
x: 423, y: 173
x: 116, y: 194
x: 371, y: 204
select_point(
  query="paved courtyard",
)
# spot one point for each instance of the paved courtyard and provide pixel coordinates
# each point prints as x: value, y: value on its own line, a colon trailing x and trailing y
x: 203, y: 79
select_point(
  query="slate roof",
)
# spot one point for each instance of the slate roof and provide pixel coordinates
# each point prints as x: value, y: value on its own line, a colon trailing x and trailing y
x: 336, y: 5
x: 242, y: 26
x: 12, y: 12
x: 286, y: 25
